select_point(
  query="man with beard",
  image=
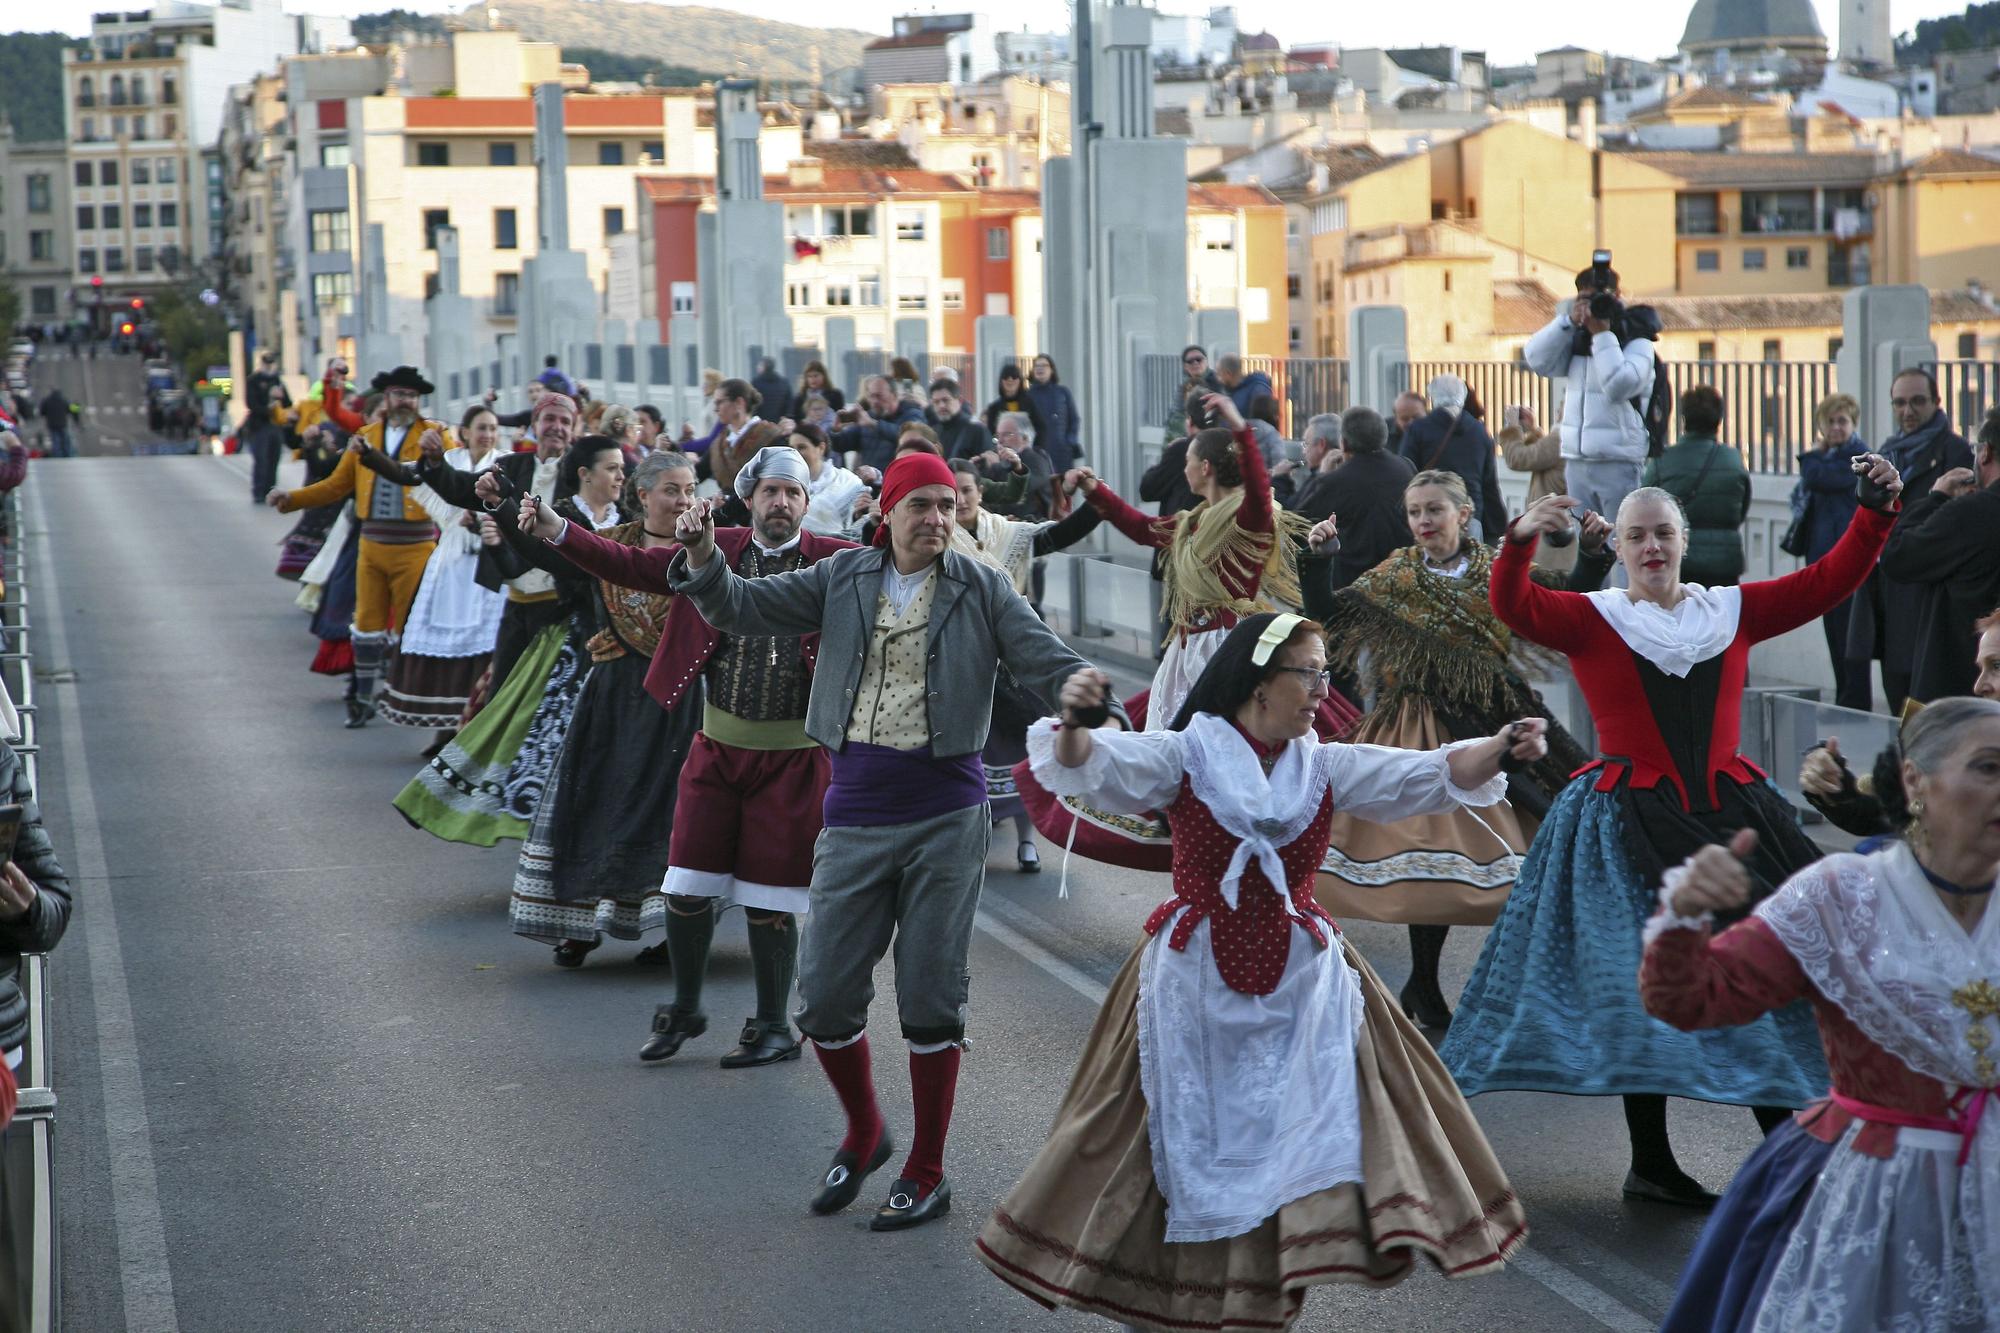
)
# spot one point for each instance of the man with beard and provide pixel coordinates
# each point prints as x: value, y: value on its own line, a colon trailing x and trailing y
x: 532, y: 605
x: 397, y: 535
x: 750, y: 792
x: 912, y: 636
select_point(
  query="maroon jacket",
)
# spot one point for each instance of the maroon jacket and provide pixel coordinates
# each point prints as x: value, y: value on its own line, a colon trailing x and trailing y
x: 687, y: 641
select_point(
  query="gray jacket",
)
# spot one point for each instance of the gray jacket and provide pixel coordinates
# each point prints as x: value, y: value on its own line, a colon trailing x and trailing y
x: 978, y: 623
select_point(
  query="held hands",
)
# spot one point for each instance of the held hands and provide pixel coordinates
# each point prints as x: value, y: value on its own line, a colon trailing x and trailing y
x: 432, y: 444
x: 356, y: 445
x: 1223, y: 407
x: 1079, y: 478
x: 1325, y: 533
x: 489, y: 531
x: 1596, y: 531
x: 537, y: 521
x: 487, y: 488
x: 1084, y: 691
x: 695, y: 530
x: 1822, y: 773
x: 1879, y: 471
x: 1715, y: 879
x: 1546, y: 515
x: 1522, y: 743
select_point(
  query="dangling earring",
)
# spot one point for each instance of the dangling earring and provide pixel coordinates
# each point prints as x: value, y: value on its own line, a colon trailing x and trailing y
x: 1917, y: 835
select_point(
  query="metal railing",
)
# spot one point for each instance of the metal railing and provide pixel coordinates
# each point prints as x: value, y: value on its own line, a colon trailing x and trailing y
x: 860, y: 364
x: 1304, y: 387
x: 1767, y: 406
x: 29, y: 1148
x: 1968, y: 390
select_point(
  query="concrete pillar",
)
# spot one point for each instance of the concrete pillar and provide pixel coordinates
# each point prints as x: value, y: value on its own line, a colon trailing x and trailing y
x: 551, y: 169
x: 449, y: 351
x: 994, y: 342
x: 740, y: 248
x: 1220, y: 333
x: 1378, y: 356
x: 837, y: 344
x: 1884, y: 330
x: 684, y: 336
x: 645, y: 337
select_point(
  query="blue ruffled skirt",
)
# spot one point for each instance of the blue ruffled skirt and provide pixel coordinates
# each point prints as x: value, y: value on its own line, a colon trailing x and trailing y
x: 1553, y: 1005
x: 1723, y: 1285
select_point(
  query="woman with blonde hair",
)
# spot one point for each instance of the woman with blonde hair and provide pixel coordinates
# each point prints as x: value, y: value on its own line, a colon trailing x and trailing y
x: 1822, y: 503
x: 1439, y: 666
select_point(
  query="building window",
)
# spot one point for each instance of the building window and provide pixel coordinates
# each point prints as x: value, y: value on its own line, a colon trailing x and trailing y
x: 1772, y: 350
x: 432, y: 155
x: 1708, y: 261
x: 500, y: 155
x: 951, y: 294
x: 139, y: 127
x: 1447, y: 285
x: 142, y: 259
x: 1968, y: 346
x: 1293, y: 286
x: 1217, y: 233
x: 118, y: 127
x: 114, y: 259
x: 505, y: 234
x: 83, y: 176
x: 654, y: 149
x: 86, y: 261
x: 42, y: 246
x: 42, y: 301
x: 112, y: 216
x: 611, y: 155
x: 38, y: 192
x: 1797, y: 256
x: 681, y: 298
x: 1753, y: 261
x: 1777, y: 210
x: 856, y: 220
x: 798, y: 294
x: 868, y: 290
x: 333, y: 291
x: 163, y: 170
x: 334, y: 155
x: 909, y: 224
x: 142, y: 215
x: 1704, y: 350
x: 1447, y: 332
x: 170, y: 215
x: 86, y: 95
x: 996, y: 243
x: 913, y: 297
x: 86, y: 217
x: 169, y: 91
x: 839, y: 293
x: 330, y: 229
x: 614, y: 222
x: 801, y: 220
x: 506, y: 294
x: 107, y: 172
x: 171, y: 128
x: 433, y: 219
x: 142, y: 171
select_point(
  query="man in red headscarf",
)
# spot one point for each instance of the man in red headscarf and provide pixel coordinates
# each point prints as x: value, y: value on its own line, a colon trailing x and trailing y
x: 911, y: 636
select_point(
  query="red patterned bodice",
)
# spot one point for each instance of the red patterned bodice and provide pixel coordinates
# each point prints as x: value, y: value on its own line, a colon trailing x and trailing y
x: 1252, y: 942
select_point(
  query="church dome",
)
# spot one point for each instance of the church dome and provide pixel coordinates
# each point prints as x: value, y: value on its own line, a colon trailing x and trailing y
x: 1752, y: 25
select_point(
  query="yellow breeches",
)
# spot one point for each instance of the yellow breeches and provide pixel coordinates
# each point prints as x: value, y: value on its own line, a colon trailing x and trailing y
x: 385, y: 583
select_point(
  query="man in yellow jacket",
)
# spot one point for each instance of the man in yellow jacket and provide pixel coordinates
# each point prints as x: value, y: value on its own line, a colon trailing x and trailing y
x: 397, y: 535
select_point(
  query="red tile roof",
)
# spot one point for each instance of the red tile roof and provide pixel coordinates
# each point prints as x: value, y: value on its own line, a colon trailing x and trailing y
x: 1231, y: 196
x: 909, y: 40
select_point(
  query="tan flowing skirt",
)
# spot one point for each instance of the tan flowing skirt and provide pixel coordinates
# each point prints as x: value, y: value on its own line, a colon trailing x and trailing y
x: 1441, y: 870
x: 1083, y: 1227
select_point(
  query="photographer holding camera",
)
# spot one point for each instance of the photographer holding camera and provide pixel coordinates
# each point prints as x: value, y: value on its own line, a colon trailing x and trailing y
x: 1603, y: 351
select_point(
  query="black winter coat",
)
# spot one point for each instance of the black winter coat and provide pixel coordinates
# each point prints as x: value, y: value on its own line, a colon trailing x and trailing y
x: 1948, y: 551
x: 41, y: 929
x: 1460, y: 444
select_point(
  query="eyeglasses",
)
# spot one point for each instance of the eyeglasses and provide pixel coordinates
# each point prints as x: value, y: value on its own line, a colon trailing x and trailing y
x: 1900, y: 403
x: 1193, y: 360
x: 1323, y: 679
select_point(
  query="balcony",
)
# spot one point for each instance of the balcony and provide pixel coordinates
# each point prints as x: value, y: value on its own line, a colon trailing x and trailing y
x: 1779, y: 222
x: 1698, y: 227
x: 1430, y: 240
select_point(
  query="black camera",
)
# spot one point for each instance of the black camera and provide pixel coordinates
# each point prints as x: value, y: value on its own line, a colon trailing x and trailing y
x: 1604, y: 303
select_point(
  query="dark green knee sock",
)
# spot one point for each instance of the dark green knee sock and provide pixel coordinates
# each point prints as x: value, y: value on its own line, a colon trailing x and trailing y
x: 690, y: 931
x: 774, y: 955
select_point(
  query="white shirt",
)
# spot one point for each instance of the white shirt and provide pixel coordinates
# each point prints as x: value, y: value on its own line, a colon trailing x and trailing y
x: 733, y: 436
x: 901, y: 589
x: 779, y: 549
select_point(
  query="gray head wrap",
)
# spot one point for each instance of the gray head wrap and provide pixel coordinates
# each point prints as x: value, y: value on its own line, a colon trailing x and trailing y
x: 773, y: 460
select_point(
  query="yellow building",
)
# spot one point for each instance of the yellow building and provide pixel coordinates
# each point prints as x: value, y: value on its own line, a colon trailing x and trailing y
x: 1939, y: 219
x: 1361, y: 193
x: 1236, y: 261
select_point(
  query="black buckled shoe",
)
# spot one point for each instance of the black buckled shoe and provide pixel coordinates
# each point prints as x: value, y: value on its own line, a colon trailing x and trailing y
x: 671, y: 1028
x: 571, y: 953
x: 842, y: 1183
x: 1684, y: 1192
x: 359, y: 711
x: 762, y: 1044
x: 903, y: 1209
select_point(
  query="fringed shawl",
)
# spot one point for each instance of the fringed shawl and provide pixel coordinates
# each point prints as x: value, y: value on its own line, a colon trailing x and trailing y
x: 1210, y: 550
x: 637, y: 618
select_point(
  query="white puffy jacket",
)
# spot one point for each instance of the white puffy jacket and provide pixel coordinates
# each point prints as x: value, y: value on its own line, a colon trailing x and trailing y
x: 1598, y: 420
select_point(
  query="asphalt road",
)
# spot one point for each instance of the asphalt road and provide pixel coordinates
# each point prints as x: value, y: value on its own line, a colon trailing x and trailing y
x: 309, y: 1080
x: 111, y: 390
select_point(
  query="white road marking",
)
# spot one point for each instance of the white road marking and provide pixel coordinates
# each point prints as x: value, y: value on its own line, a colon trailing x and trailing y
x: 1557, y: 1278
x: 144, y: 1276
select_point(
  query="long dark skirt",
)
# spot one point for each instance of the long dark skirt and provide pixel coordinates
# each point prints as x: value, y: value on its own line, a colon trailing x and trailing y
x: 596, y: 850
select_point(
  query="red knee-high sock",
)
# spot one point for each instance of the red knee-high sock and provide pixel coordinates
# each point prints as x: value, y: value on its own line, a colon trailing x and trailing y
x: 933, y: 1086
x: 851, y: 1071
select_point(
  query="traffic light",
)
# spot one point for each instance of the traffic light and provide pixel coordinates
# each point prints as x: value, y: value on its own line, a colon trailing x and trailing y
x: 125, y: 329
x: 138, y: 303
x: 97, y: 280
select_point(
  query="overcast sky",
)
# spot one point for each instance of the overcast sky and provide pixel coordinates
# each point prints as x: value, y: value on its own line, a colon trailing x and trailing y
x: 1508, y: 33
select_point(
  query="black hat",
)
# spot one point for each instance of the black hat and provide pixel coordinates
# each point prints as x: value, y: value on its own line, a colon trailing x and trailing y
x: 403, y: 377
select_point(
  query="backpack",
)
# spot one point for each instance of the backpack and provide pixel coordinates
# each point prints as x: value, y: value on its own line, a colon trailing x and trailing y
x: 1657, y: 409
